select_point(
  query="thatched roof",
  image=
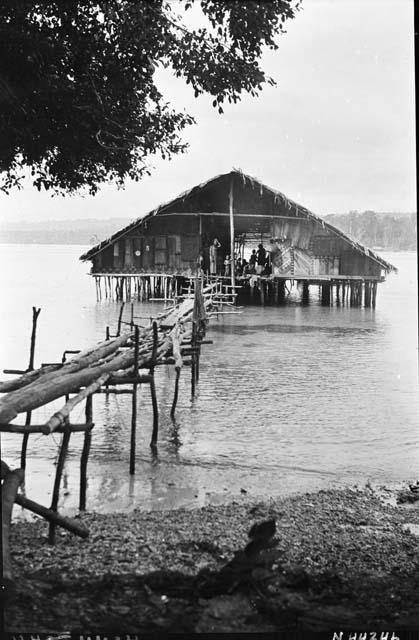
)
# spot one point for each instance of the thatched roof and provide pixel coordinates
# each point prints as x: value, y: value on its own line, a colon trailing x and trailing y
x: 290, y: 205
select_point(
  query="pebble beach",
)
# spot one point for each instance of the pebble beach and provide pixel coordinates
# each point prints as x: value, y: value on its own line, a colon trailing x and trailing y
x: 340, y: 556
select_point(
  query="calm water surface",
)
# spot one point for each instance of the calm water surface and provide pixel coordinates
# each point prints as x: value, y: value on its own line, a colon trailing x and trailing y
x: 290, y: 398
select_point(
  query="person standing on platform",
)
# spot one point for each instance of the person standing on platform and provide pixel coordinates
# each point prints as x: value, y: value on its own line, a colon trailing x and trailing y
x: 213, y: 256
x: 252, y: 261
x: 260, y: 259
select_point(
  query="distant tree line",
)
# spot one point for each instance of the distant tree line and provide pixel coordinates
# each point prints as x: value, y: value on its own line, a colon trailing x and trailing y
x: 87, y: 231
x: 395, y: 232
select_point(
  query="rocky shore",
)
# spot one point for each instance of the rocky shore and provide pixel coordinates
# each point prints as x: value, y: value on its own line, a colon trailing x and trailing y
x: 339, y: 559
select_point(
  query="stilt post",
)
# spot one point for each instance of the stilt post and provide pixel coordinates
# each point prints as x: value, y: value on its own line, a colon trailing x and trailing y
x: 134, y: 404
x: 118, y: 333
x: 35, y: 314
x: 58, y: 474
x: 155, y: 433
x: 85, y: 453
x: 231, y: 211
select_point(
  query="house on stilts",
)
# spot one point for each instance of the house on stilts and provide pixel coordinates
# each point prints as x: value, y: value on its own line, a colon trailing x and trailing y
x: 157, y: 254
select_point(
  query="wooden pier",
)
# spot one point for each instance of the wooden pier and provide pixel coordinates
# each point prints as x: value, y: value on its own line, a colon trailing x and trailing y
x: 118, y: 365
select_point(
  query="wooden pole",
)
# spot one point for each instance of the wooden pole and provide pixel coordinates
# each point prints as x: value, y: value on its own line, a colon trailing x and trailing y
x: 178, y: 366
x: 40, y: 510
x: 9, y: 489
x: 193, y: 359
x: 58, y: 474
x: 63, y: 414
x: 175, y: 396
x: 118, y: 333
x: 35, y: 314
x: 367, y: 293
x: 155, y: 433
x: 52, y: 516
x: 305, y: 294
x: 134, y: 406
x: 374, y: 294
x: 276, y: 291
x: 231, y: 210
x: 326, y: 294
x: 85, y: 453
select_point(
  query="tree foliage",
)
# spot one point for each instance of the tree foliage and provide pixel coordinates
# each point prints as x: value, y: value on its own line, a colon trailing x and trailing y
x: 78, y: 100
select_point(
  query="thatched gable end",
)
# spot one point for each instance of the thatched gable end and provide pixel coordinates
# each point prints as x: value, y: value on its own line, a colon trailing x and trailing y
x: 172, y: 237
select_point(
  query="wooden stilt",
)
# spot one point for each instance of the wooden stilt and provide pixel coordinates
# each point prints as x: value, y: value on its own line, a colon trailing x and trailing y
x: 305, y: 294
x: 35, y: 314
x: 155, y: 433
x: 374, y: 294
x: 262, y: 291
x: 175, y: 396
x: 85, y: 453
x: 367, y: 294
x: 197, y: 355
x: 57, y: 482
x: 134, y: 405
x: 276, y: 292
x: 118, y: 333
x: 326, y: 294
x: 193, y: 357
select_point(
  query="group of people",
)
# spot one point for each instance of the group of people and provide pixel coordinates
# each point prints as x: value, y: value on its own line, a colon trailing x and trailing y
x: 259, y: 262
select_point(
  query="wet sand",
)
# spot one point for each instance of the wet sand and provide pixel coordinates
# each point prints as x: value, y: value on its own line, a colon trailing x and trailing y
x: 339, y: 559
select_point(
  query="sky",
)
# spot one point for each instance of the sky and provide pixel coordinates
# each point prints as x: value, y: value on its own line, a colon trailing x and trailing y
x: 336, y: 134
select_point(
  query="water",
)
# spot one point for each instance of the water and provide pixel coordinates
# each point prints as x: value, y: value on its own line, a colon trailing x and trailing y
x: 290, y: 399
